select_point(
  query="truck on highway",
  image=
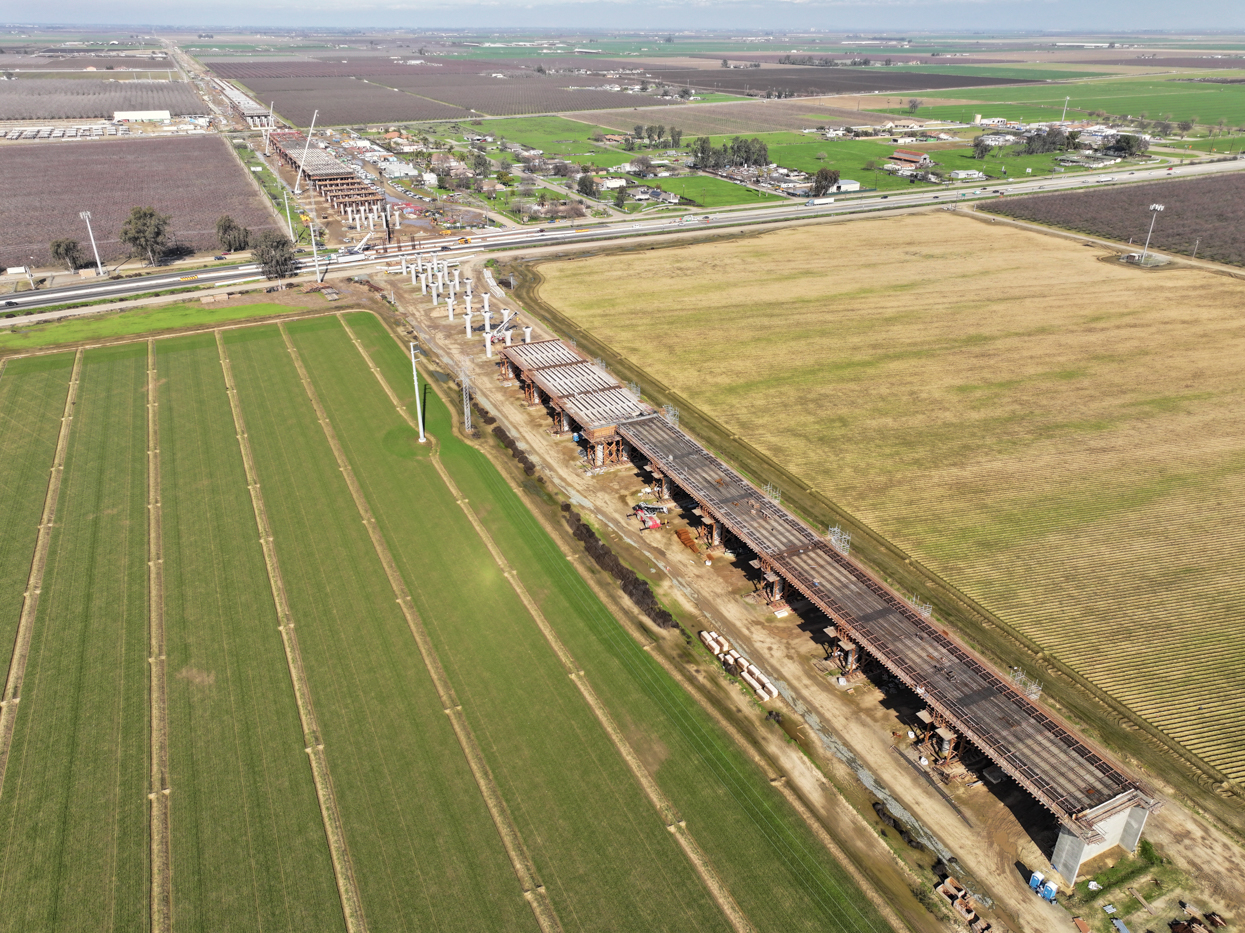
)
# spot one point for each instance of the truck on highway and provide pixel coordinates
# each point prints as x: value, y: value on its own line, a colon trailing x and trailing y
x: 813, y: 202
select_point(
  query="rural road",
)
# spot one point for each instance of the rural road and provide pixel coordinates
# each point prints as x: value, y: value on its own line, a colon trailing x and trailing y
x: 551, y: 234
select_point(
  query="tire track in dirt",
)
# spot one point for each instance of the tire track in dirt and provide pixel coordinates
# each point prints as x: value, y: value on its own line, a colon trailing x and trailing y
x: 347, y: 887
x: 520, y: 859
x: 34, y: 584
x: 161, y: 854
x: 674, y: 822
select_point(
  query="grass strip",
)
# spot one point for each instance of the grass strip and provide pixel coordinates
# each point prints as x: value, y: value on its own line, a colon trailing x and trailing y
x: 161, y: 916
x: 248, y: 847
x: 32, y: 402
x: 347, y: 887
x: 73, y: 819
x: 34, y: 584
x: 519, y: 857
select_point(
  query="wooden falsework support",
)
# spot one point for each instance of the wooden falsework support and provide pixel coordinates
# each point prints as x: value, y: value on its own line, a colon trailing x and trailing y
x: 774, y: 587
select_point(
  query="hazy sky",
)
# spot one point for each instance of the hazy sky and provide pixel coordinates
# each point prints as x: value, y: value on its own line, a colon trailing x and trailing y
x: 892, y: 15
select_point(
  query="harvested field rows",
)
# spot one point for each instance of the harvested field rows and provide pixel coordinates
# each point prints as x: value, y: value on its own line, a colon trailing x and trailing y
x: 727, y: 805
x: 247, y: 841
x: 255, y: 67
x: 194, y: 180
x: 73, y: 815
x: 83, y: 98
x: 343, y: 101
x: 1072, y: 455
x: 820, y: 81
x: 1206, y: 214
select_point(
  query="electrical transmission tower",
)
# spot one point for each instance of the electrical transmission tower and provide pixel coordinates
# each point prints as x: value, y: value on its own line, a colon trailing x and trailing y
x: 465, y: 378
x: 672, y: 415
x: 841, y: 540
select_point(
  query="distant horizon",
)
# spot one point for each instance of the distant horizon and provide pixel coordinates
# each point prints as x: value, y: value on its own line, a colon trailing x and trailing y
x: 944, y: 17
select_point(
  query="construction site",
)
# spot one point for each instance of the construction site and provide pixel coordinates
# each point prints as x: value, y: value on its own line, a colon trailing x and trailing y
x: 967, y: 703
x: 962, y: 722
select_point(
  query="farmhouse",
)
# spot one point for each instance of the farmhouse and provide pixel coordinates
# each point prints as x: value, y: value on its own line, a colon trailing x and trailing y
x: 911, y: 158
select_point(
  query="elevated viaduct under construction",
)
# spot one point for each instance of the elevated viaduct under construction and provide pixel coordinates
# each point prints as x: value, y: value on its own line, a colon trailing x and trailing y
x: 1097, y: 805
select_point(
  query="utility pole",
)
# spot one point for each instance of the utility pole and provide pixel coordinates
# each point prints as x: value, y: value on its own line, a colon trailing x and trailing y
x: 419, y: 408
x: 1155, y: 210
x: 310, y: 132
x: 99, y: 267
x: 286, y: 198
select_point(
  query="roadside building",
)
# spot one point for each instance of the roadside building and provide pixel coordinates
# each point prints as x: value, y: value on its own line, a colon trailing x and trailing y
x: 911, y: 158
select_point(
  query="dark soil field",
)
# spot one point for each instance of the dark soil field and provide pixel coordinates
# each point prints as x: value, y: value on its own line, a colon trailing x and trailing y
x: 194, y: 180
x: 342, y: 68
x: 1206, y: 213
x: 343, y: 101
x: 805, y: 80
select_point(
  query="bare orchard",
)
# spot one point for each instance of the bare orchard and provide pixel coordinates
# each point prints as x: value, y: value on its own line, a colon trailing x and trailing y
x: 193, y: 180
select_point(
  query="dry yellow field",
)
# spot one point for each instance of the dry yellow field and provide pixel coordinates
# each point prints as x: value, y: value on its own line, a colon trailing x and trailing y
x: 1063, y: 438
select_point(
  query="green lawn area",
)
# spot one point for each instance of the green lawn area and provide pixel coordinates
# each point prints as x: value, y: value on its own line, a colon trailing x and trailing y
x: 1210, y: 144
x: 993, y: 165
x: 74, y: 840
x: 717, y: 97
x: 708, y: 191
x: 126, y: 323
x: 847, y: 156
x: 246, y: 837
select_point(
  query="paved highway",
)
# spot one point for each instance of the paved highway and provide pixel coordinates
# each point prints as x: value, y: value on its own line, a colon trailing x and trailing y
x: 248, y: 272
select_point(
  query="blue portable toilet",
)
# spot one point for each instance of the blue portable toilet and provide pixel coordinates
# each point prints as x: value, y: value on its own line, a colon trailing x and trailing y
x: 1048, y: 892
x: 1035, y: 881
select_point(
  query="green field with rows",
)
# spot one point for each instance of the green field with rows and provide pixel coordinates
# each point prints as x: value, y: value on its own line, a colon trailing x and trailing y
x: 1158, y: 99
x: 73, y: 814
x: 246, y: 840
x: 444, y: 799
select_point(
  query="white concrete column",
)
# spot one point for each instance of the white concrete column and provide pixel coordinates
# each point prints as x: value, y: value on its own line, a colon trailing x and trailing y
x: 404, y: 265
x: 434, y: 293
x: 509, y: 331
x: 488, y: 322
x: 414, y: 276
x: 486, y: 302
x: 456, y: 277
x: 467, y: 300
x: 527, y: 334
x: 467, y: 320
x: 450, y: 305
x: 423, y: 284
x: 488, y: 345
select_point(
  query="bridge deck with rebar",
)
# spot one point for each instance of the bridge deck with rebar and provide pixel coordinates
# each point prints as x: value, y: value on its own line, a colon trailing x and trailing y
x: 1071, y: 779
